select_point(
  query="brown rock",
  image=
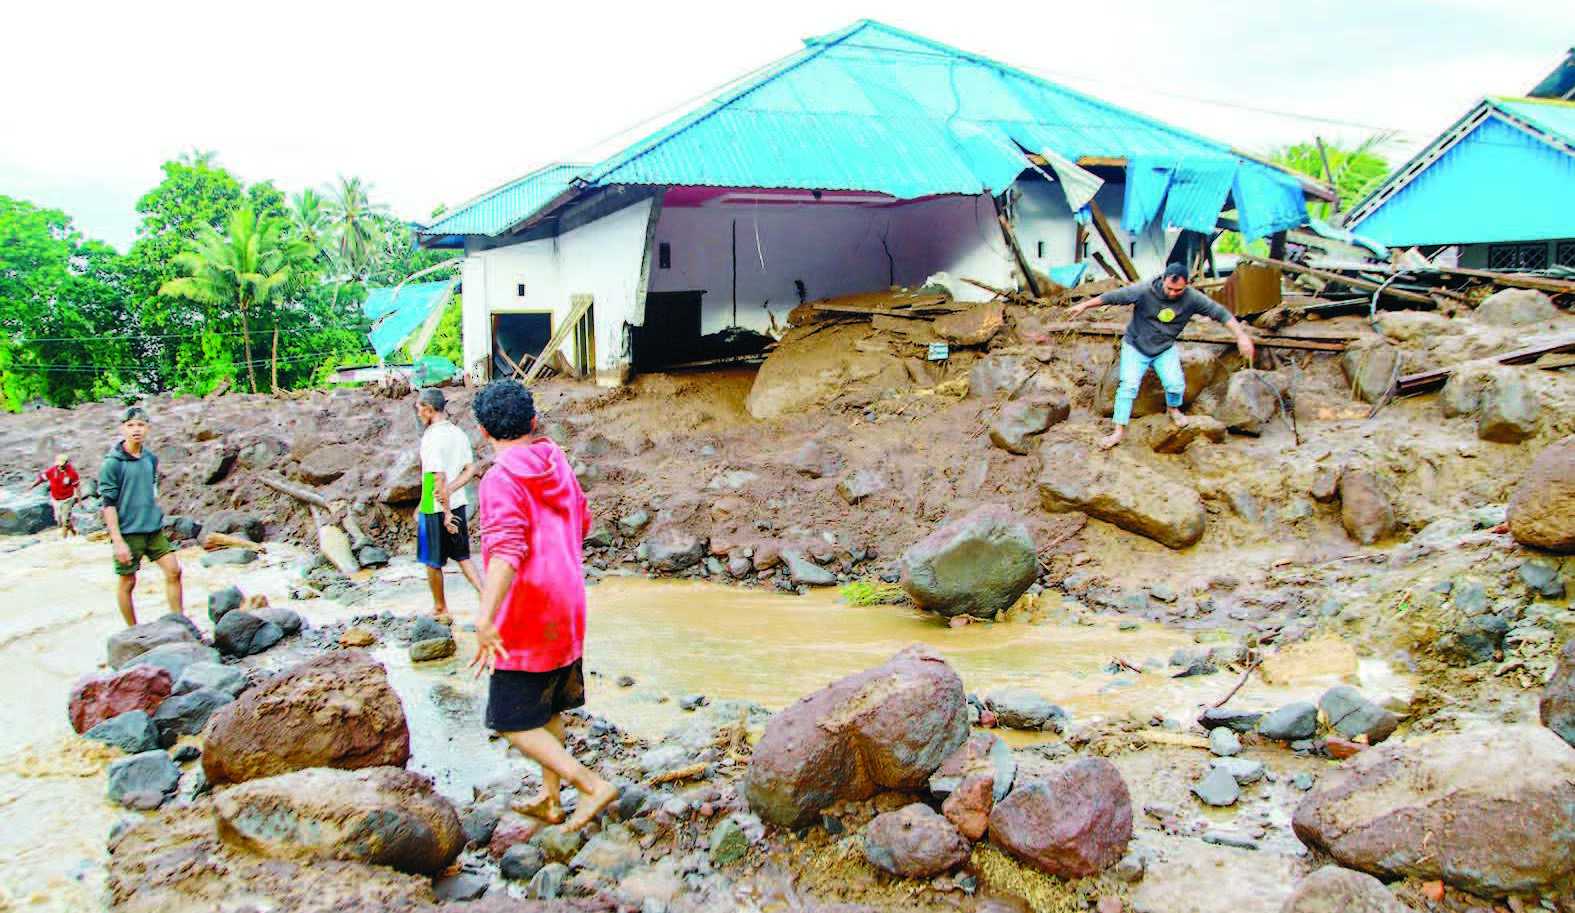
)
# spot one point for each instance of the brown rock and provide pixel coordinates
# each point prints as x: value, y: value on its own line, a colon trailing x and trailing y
x: 914, y: 842
x: 1325, y: 485
x: 1558, y: 697
x: 1340, y: 749
x: 1542, y: 507
x: 334, y: 711
x: 1510, y: 410
x: 1252, y: 400
x: 1073, y: 825
x: 1512, y: 307
x: 1473, y: 808
x: 1332, y: 889
x: 1016, y: 424
x: 357, y: 636
x: 96, y: 698
x: 968, y: 807
x: 973, y: 327
x: 1371, y: 367
x: 886, y: 728
x: 1365, y: 509
x: 995, y: 376
x: 1165, y: 436
x: 860, y: 484
x: 402, y: 481
x: 378, y: 816
x: 1110, y: 487
x: 1201, y: 365
x: 816, y: 460
x: 326, y: 464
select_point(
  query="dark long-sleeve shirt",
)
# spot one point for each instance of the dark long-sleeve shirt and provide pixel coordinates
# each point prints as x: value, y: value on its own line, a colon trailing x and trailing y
x: 1158, y: 320
x: 131, y: 486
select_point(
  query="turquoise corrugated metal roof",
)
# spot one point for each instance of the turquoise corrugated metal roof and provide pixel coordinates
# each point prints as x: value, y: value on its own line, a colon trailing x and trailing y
x: 875, y: 108
x: 1494, y: 183
x: 498, y: 210
x: 1556, y: 117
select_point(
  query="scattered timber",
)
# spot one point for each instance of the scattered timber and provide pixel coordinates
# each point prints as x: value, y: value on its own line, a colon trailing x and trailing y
x: 1422, y: 382
x: 1112, y: 242
x: 1352, y: 281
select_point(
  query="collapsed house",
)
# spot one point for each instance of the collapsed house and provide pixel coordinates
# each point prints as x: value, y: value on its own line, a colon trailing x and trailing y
x: 870, y: 159
x: 1496, y: 190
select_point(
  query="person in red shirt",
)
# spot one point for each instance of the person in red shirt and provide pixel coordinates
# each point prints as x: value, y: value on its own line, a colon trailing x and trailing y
x: 62, y: 480
x: 530, y: 630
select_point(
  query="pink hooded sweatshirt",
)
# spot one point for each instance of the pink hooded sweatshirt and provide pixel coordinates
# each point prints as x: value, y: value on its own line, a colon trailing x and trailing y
x: 534, y: 516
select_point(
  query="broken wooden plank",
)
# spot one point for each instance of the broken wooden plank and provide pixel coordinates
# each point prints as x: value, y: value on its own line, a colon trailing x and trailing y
x: 1017, y: 253
x: 1423, y: 381
x: 1108, y: 235
x: 579, y: 305
x: 1517, y: 280
x: 1351, y: 281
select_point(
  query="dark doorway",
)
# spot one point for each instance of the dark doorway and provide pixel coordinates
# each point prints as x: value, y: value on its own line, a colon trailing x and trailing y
x: 671, y: 334
x: 520, y: 337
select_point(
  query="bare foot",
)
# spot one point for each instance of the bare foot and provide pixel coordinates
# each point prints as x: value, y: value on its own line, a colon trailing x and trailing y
x: 541, y: 806
x: 1112, y: 439
x: 442, y: 617
x: 1178, y: 418
x: 591, y: 805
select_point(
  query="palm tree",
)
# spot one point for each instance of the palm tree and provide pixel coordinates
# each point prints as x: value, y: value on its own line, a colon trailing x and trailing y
x: 354, y: 219
x: 243, y: 268
x: 313, y: 222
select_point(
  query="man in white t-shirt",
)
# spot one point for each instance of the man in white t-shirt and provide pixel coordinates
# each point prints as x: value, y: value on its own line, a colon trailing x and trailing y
x: 442, y: 530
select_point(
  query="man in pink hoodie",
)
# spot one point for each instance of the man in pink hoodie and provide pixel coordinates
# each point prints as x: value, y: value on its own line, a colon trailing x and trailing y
x: 530, y: 631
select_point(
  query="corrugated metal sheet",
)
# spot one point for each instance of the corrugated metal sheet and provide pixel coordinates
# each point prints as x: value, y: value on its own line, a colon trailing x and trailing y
x: 498, y: 210
x: 1497, y: 183
x: 1556, y: 117
x: 394, y: 320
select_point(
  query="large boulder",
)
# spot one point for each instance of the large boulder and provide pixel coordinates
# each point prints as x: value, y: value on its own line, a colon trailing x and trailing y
x: 1110, y: 487
x: 1371, y: 367
x: 1488, y: 810
x: 986, y: 754
x: 1332, y: 889
x: 886, y: 728
x: 326, y: 464
x: 1252, y: 399
x: 973, y: 327
x: 187, y: 714
x: 334, y: 711
x: 235, y: 523
x: 1464, y: 390
x: 25, y: 514
x: 977, y: 565
x: 1074, y: 824
x: 240, y: 633
x: 1513, y: 307
x: 1024, y: 708
x: 378, y: 816
x: 402, y: 481
x: 97, y: 698
x: 132, y: 732
x: 1365, y: 509
x: 995, y: 376
x: 1509, y: 412
x: 129, y: 643
x: 673, y: 549
x: 1352, y: 716
x: 914, y: 842
x: 1542, y: 508
x: 813, y: 365
x: 1017, y: 423
x: 1201, y: 365
x: 1557, y: 707
x: 175, y: 658
x: 143, y: 781
x: 1165, y: 436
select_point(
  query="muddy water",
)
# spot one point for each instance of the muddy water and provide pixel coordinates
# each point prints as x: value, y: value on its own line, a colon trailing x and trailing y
x: 673, y: 638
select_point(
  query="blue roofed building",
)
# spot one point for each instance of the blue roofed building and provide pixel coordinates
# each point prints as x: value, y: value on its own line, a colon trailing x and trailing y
x: 870, y: 158
x: 1498, y: 186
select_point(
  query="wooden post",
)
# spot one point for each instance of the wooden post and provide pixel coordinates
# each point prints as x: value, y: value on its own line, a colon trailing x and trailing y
x: 1328, y: 175
x: 1108, y: 235
x: 1017, y: 251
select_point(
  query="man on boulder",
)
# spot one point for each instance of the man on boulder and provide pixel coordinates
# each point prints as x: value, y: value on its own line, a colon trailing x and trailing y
x: 1161, y: 308
x: 62, y: 479
x: 442, y: 527
x: 530, y: 631
x: 128, y: 484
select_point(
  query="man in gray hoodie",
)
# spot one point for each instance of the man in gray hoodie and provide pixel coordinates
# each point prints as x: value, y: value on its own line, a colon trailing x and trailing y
x: 1160, y: 311
x: 128, y: 483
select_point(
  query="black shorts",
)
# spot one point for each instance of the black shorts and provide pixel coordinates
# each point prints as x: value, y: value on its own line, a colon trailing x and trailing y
x: 436, y: 546
x: 519, y: 701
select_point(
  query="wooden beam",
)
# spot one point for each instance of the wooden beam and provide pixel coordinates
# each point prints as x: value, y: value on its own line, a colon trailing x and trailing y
x: 1431, y: 380
x: 1352, y: 281
x: 1540, y: 283
x: 1105, y: 161
x: 1017, y: 250
x: 580, y: 304
x: 1108, y: 235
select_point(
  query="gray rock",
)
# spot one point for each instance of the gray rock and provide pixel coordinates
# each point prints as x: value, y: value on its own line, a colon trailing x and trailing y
x: 223, y: 601
x: 1353, y: 716
x: 1557, y: 707
x: 1541, y: 576
x: 371, y: 556
x: 1302, y: 781
x: 521, y: 862
x: 547, y: 883
x: 143, y: 781
x: 1018, y: 422
x: 1332, y: 889
x: 861, y: 484
x: 1470, y: 597
x: 219, y: 677
x: 1513, y: 307
x: 1223, y: 742
x: 229, y: 556
x: 632, y: 524
x: 425, y: 651
x: 1237, y: 720
x: 672, y: 549
x: 186, y: 714
x: 1475, y: 639
x: 692, y: 702
x: 662, y: 758
x: 1242, y: 770
x: 558, y: 844
x: 240, y: 633
x: 132, y: 732
x: 1371, y: 367
x: 600, y: 536
x: 611, y: 853
x: 1217, y: 788
x: 978, y: 565
x: 729, y: 843
x: 186, y: 754
x: 1290, y: 723
x: 236, y: 523
x: 1252, y: 399
x: 425, y: 627
x: 461, y: 887
x: 176, y: 658
x: 1229, y: 838
x: 739, y: 567
x: 1022, y: 708
x: 288, y: 620
x: 1510, y: 410
x: 805, y: 572
x: 129, y: 643
x: 25, y: 514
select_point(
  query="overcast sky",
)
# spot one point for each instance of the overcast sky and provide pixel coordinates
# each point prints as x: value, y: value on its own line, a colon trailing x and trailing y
x: 436, y: 102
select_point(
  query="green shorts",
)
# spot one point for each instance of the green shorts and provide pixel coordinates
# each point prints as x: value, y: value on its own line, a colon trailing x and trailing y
x: 152, y: 546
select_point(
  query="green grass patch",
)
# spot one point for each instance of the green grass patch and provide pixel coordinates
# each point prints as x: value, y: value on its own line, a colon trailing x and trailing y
x: 867, y: 592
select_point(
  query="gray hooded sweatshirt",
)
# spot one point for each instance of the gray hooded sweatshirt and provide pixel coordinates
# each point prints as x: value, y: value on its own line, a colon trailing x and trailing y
x: 131, y: 486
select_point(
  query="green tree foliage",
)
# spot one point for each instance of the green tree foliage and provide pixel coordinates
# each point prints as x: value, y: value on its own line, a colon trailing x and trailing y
x: 1356, y: 170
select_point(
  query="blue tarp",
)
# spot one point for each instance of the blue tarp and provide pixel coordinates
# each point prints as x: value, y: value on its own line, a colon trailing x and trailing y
x: 393, y: 320
x: 1191, y: 191
x: 1267, y: 201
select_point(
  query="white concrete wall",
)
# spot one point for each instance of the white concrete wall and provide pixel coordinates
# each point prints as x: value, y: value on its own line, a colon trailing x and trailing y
x: 1042, y: 215
x: 601, y: 259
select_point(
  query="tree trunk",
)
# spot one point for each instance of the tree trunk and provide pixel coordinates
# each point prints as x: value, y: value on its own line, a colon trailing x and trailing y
x: 246, y: 344
x: 275, y: 368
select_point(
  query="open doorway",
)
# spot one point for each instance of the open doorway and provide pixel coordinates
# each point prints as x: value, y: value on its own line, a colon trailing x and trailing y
x: 518, y: 337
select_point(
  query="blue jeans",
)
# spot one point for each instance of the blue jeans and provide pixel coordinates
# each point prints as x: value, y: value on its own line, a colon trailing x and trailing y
x: 1134, y: 365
